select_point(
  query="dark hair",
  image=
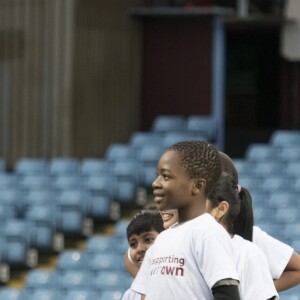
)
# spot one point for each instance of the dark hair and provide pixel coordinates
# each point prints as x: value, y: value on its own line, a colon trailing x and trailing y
x: 200, y: 159
x: 239, y: 218
x: 144, y: 221
x: 228, y: 166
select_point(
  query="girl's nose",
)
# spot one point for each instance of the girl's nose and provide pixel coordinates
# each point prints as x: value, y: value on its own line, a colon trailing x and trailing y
x: 156, y: 182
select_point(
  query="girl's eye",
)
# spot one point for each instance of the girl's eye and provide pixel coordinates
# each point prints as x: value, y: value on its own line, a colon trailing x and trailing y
x: 132, y: 245
x: 165, y: 176
x: 149, y: 240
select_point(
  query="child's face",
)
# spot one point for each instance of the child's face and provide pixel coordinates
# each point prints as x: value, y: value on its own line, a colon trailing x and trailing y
x: 169, y: 217
x: 139, y: 244
x: 172, y: 187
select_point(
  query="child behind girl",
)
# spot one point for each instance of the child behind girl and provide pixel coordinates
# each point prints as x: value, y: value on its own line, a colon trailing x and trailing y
x: 142, y: 231
x: 236, y: 215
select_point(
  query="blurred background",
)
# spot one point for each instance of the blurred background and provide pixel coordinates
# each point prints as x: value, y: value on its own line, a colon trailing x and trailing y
x: 77, y: 75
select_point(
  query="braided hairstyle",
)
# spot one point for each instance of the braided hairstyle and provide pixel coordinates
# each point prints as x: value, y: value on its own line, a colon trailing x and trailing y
x: 200, y: 159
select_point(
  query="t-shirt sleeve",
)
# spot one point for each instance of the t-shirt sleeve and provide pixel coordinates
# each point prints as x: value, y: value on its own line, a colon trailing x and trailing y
x: 255, y: 277
x: 277, y: 253
x: 214, y: 257
x: 139, y: 284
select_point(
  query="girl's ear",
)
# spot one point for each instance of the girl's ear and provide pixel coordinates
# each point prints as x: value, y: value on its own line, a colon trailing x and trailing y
x: 221, y: 210
x: 199, y: 186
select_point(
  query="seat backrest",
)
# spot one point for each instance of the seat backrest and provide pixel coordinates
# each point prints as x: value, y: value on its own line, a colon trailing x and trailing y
x: 27, y: 165
x: 64, y: 165
x: 166, y: 123
x: 205, y: 125
x: 285, y: 138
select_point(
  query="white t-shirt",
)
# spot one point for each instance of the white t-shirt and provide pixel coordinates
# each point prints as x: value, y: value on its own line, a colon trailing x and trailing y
x: 278, y: 254
x: 186, y: 261
x: 131, y: 295
x: 255, y: 278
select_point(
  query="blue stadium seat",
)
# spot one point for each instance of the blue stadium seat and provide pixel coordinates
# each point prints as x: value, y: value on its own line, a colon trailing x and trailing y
x: 266, y: 168
x: 36, y: 181
x: 167, y: 123
x: 67, y: 181
x: 81, y: 294
x: 72, y: 260
x: 41, y: 279
x: 243, y: 166
x: 285, y: 138
x: 140, y: 139
x: 290, y: 153
x: 120, y: 228
x: 119, y: 151
x: 103, y: 207
x: 173, y: 137
x: 100, y: 184
x: 291, y: 231
x: 95, y: 166
x: 106, y: 262
x: 45, y: 294
x: 295, y: 243
x: 10, y: 200
x: 296, y: 187
x: 70, y: 280
x: 107, y: 280
x: 204, y: 125
x: 293, y: 169
x: 100, y: 244
x: 287, y: 215
x: 9, y: 293
x: 72, y: 208
x: 283, y: 199
x: 16, y: 233
x: 38, y: 197
x: 64, y: 165
x: 26, y: 166
x: 261, y: 152
x: 8, y: 180
x: 43, y: 231
x: 250, y: 183
x: 111, y: 295
x: 276, y: 183
x: 275, y: 230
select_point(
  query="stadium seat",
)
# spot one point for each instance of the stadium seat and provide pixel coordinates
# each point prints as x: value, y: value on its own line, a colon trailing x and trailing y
x: 120, y: 228
x: 111, y: 295
x: 64, y: 165
x: 119, y: 151
x: 243, y: 166
x: 38, y: 197
x: 26, y: 166
x: 293, y: 169
x: 204, y: 125
x: 70, y: 280
x: 173, y: 137
x: 106, y: 262
x: 100, y: 244
x: 10, y: 201
x: 72, y: 207
x: 107, y: 280
x: 35, y: 181
x: 167, y: 123
x: 283, y: 199
x: 261, y: 152
x: 264, y: 169
x: 8, y: 180
x: 2, y: 165
x: 45, y: 294
x: 100, y: 184
x: 287, y: 215
x: 296, y: 187
x: 285, y: 138
x: 141, y: 139
x: 9, y: 293
x: 103, y: 207
x: 43, y: 231
x: 290, y: 153
x: 276, y: 183
x: 67, y: 181
x: 72, y: 260
x: 250, y: 183
x: 81, y: 294
x: 95, y: 166
x: 275, y: 230
x: 41, y: 279
x: 295, y: 244
x: 291, y: 231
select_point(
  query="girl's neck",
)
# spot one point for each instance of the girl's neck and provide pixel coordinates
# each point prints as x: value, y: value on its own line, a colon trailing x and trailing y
x: 189, y: 213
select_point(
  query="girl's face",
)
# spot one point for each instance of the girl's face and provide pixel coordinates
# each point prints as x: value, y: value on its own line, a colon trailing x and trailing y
x: 172, y: 188
x: 169, y: 217
x: 139, y: 244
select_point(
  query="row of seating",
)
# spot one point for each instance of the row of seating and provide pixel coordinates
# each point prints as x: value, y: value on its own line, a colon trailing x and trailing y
x: 97, y: 272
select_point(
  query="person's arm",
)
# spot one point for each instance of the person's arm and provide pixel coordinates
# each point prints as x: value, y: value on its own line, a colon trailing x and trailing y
x: 143, y: 297
x: 291, y: 275
x: 130, y: 266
